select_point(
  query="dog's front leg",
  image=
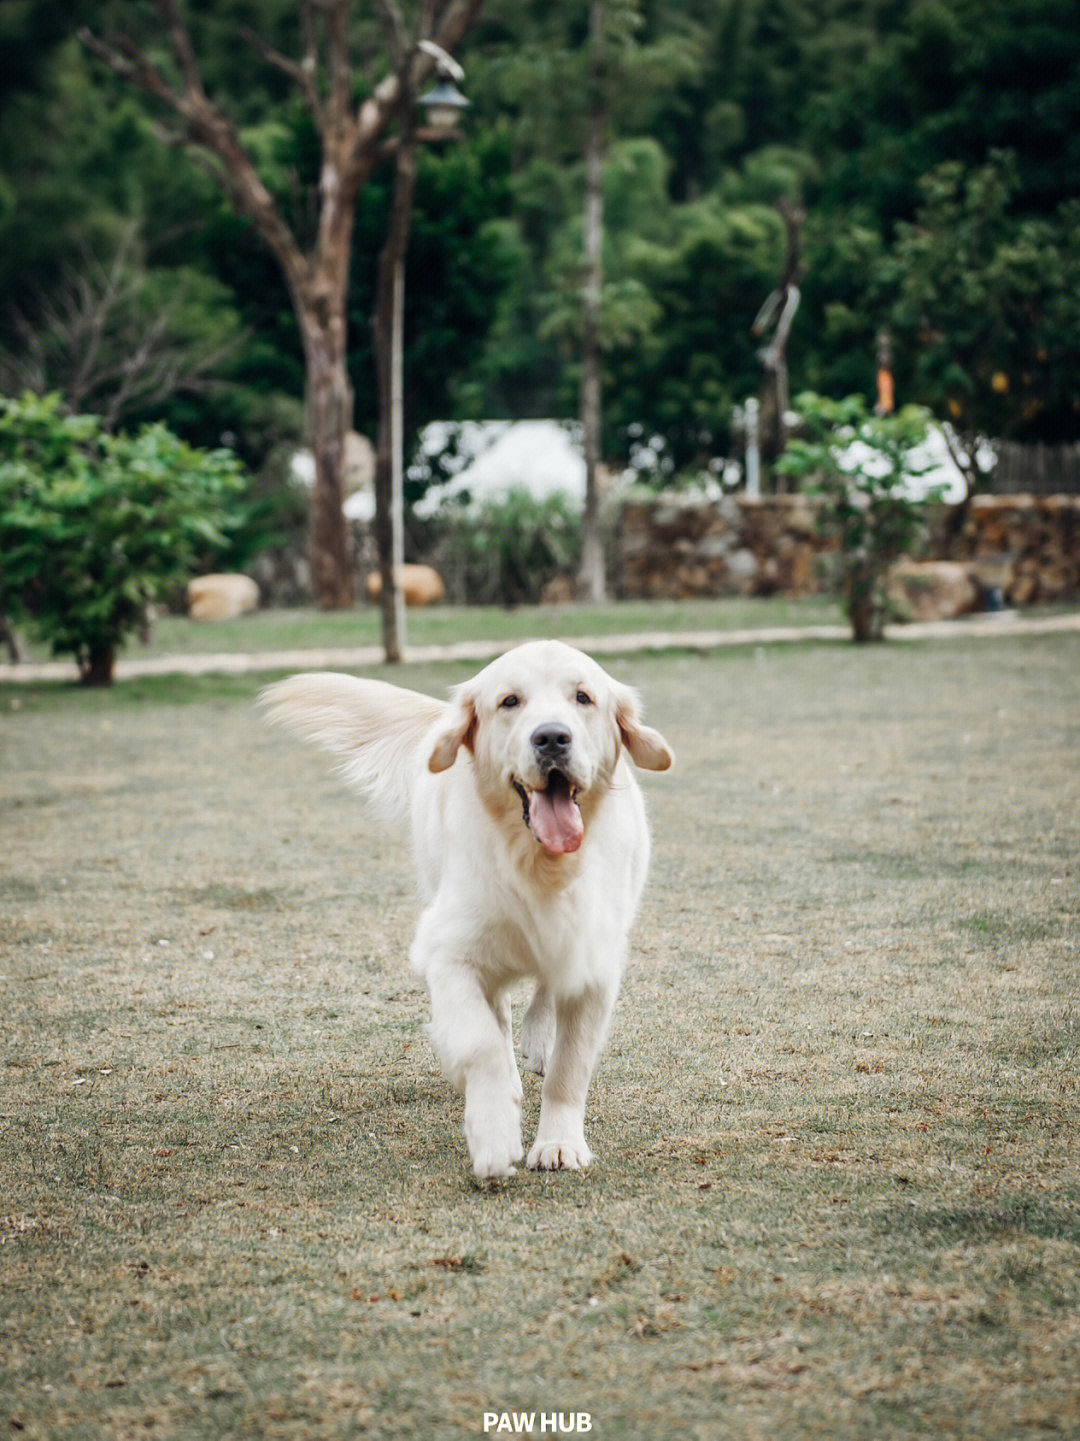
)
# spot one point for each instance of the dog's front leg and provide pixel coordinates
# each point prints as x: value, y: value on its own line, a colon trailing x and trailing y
x: 580, y: 1027
x: 471, y: 1037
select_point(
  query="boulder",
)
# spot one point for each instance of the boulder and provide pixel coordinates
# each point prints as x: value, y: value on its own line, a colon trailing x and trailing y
x: 931, y: 590
x: 221, y: 597
x: 420, y: 584
x: 563, y: 590
x: 993, y: 572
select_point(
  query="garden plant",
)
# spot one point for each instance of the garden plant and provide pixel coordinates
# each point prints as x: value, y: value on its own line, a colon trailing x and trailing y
x: 95, y: 527
x: 862, y: 466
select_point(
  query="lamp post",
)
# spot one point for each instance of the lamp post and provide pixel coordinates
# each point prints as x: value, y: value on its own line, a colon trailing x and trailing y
x: 443, y: 105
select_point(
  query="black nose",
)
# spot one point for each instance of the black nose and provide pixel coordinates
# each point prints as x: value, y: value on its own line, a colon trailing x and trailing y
x: 551, y: 741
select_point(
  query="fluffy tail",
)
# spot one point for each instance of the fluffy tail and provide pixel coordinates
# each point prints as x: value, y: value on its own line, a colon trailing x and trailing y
x: 375, y: 728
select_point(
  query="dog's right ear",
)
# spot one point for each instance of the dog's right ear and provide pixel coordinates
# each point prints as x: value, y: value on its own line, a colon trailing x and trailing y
x: 459, y: 730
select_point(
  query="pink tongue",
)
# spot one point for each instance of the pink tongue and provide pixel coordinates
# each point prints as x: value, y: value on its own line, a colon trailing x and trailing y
x: 555, y: 819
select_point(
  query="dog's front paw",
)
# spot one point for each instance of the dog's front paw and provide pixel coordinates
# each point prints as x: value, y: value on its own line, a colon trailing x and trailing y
x: 493, y: 1132
x: 490, y: 1164
x: 559, y: 1156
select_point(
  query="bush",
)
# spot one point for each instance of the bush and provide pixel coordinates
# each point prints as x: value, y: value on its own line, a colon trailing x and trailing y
x: 95, y: 527
x: 863, y: 466
x: 505, y: 552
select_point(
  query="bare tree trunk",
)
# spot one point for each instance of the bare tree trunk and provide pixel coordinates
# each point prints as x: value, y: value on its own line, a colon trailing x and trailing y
x: 10, y: 638
x: 329, y: 408
x: 779, y: 310
x: 593, y: 575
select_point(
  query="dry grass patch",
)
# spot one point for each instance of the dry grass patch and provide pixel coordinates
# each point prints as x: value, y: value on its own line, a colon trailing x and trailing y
x: 838, y: 1192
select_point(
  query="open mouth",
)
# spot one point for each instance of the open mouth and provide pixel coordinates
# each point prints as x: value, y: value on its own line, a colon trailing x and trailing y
x: 551, y: 813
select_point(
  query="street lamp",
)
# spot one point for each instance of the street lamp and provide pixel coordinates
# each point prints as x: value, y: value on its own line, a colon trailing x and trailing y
x: 443, y: 104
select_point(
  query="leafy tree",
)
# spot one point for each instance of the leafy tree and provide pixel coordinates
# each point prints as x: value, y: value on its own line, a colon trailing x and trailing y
x: 596, y: 52
x: 94, y: 527
x: 861, y: 465
x: 684, y: 377
x: 53, y: 126
x: 848, y: 295
x: 462, y: 256
x: 109, y: 296
x: 989, y: 304
x: 718, y: 108
x: 119, y: 340
x: 313, y: 246
x: 953, y: 80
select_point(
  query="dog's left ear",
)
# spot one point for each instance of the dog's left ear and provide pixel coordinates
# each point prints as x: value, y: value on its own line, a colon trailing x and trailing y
x: 459, y: 730
x: 648, y: 748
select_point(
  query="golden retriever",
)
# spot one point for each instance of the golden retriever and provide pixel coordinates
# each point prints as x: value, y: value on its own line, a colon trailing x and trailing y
x: 531, y: 847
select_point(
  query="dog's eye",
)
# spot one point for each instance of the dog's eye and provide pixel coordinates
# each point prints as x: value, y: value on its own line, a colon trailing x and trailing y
x: 584, y: 698
x: 508, y: 702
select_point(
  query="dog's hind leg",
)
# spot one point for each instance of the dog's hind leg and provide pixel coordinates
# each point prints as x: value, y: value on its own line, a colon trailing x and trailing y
x: 506, y: 1024
x: 538, y: 1032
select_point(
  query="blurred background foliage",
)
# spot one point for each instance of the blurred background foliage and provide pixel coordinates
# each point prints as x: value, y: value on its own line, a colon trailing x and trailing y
x: 935, y: 145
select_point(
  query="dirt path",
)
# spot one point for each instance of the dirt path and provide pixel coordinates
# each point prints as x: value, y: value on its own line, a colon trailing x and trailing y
x: 1007, y: 623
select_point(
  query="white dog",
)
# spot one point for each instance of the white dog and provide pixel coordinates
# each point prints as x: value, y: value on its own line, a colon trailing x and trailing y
x: 531, y: 848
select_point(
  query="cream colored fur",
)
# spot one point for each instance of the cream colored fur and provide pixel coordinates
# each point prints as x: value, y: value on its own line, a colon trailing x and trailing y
x: 498, y: 906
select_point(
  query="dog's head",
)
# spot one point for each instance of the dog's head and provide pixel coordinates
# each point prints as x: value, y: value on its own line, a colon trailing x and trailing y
x: 544, y: 722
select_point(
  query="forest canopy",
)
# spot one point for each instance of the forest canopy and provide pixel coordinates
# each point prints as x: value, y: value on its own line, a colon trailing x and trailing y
x: 934, y: 146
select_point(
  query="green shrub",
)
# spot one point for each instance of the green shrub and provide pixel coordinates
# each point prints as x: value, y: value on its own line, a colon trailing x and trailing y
x: 862, y: 466
x: 505, y: 552
x: 94, y: 527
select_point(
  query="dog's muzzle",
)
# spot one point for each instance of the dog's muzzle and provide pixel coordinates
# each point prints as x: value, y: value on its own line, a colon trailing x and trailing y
x: 550, y: 809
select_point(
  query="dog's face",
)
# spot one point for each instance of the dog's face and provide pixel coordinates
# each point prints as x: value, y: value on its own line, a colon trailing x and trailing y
x: 546, y: 724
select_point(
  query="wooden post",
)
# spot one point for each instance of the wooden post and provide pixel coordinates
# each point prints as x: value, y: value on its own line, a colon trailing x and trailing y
x: 388, y: 330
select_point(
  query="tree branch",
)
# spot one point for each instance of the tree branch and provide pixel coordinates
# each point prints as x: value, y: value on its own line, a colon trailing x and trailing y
x: 206, y: 131
x: 394, y: 31
x: 426, y: 28
x: 450, y: 26
x: 106, y: 344
x: 302, y: 73
x: 448, y: 30
x: 336, y: 21
x: 124, y: 58
x: 353, y: 141
x: 182, y: 48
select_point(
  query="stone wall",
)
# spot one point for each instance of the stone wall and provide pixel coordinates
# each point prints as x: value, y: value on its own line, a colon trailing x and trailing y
x: 1027, y: 546
x: 677, y: 546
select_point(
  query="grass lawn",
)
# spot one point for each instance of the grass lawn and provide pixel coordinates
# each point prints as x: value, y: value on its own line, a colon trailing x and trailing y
x: 837, y: 1122
x: 307, y: 628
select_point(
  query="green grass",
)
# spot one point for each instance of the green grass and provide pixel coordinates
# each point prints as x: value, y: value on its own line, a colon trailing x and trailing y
x: 448, y: 625
x: 305, y: 628
x: 838, y: 1187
